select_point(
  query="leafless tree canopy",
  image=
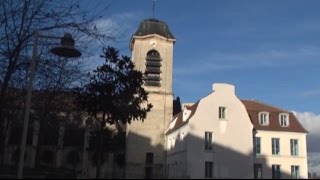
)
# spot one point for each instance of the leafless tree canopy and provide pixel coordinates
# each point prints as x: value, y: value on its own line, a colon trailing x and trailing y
x: 18, y: 22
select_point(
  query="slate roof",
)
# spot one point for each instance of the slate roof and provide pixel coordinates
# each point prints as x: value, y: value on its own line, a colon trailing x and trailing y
x: 254, y: 107
x: 179, y: 123
x: 154, y: 26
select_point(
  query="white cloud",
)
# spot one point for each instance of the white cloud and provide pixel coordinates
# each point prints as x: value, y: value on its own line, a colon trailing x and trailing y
x: 217, y: 61
x: 116, y: 25
x: 311, y: 122
x: 311, y: 93
x: 314, y: 162
x: 106, y: 25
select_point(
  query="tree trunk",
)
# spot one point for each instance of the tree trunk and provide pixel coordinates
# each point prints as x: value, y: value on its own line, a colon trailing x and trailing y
x: 42, y: 127
x: 3, y: 142
x: 40, y: 141
x: 98, y: 174
x: 100, y: 147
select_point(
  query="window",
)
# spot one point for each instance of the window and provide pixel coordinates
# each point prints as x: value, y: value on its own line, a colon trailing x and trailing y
x: 276, y: 172
x: 173, y: 170
x: 295, y: 174
x: 153, y: 68
x: 257, y: 171
x: 208, y: 140
x: 284, y: 120
x: 264, y: 118
x: 208, y: 169
x: 257, y: 145
x: 294, y: 147
x: 275, y: 146
x: 149, y: 165
x: 222, y: 112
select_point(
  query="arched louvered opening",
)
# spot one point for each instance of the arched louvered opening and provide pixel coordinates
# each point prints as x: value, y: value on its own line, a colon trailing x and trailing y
x: 153, y: 68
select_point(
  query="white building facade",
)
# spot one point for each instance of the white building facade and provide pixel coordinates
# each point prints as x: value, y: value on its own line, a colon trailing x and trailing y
x: 222, y: 136
x: 280, y: 149
x: 211, y: 139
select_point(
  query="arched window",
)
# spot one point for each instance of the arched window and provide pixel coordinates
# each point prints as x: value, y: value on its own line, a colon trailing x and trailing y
x: 153, y: 68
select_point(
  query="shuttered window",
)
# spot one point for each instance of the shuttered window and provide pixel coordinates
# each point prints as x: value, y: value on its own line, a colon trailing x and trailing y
x: 153, y: 69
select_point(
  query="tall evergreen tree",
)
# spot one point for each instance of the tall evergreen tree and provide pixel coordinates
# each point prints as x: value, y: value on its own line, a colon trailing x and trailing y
x: 114, y: 94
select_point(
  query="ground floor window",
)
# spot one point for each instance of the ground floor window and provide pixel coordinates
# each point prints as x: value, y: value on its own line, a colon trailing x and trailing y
x: 208, y: 169
x: 276, y: 172
x: 295, y: 174
x: 257, y: 171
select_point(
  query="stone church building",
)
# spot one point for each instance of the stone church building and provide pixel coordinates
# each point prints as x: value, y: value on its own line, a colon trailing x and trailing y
x: 220, y: 136
x: 152, y: 53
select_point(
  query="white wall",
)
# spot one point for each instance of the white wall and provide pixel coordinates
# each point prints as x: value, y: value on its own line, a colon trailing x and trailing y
x: 232, y: 152
x: 177, y: 153
x: 232, y: 137
x: 284, y: 159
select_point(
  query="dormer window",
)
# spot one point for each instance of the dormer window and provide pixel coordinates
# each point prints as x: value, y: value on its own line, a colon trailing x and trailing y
x: 284, y: 120
x: 264, y: 118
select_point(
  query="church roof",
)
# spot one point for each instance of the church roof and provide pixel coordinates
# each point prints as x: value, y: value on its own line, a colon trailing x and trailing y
x: 154, y: 26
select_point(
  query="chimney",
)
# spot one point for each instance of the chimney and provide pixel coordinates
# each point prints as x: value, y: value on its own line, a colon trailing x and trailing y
x: 223, y: 88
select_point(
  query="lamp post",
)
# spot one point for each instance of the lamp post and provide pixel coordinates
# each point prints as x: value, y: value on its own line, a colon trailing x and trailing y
x: 65, y: 50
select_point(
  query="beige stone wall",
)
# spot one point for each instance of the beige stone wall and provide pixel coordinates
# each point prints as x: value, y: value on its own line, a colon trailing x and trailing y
x: 142, y: 45
x: 285, y: 160
x: 148, y: 136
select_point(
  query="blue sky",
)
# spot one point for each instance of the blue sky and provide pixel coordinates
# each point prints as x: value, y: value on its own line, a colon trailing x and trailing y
x: 269, y: 49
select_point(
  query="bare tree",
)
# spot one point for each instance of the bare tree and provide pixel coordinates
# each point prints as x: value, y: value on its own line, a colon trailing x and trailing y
x: 18, y: 22
x: 54, y: 78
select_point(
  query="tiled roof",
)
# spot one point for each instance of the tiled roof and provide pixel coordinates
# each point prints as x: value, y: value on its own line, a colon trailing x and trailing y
x: 179, y: 122
x: 254, y: 107
x: 154, y: 26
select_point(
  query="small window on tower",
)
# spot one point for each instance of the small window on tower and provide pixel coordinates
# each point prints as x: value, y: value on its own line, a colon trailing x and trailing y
x: 153, y: 69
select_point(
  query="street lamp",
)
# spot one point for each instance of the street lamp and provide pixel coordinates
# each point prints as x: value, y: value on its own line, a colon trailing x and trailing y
x: 66, y: 49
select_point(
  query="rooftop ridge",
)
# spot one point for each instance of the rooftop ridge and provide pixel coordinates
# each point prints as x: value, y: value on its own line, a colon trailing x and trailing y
x: 179, y: 119
x: 266, y: 104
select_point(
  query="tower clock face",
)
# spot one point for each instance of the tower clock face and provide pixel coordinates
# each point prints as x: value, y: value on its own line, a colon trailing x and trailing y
x: 153, y: 43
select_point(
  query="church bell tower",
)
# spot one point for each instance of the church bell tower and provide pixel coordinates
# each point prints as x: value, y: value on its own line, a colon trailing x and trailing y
x: 152, y: 53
